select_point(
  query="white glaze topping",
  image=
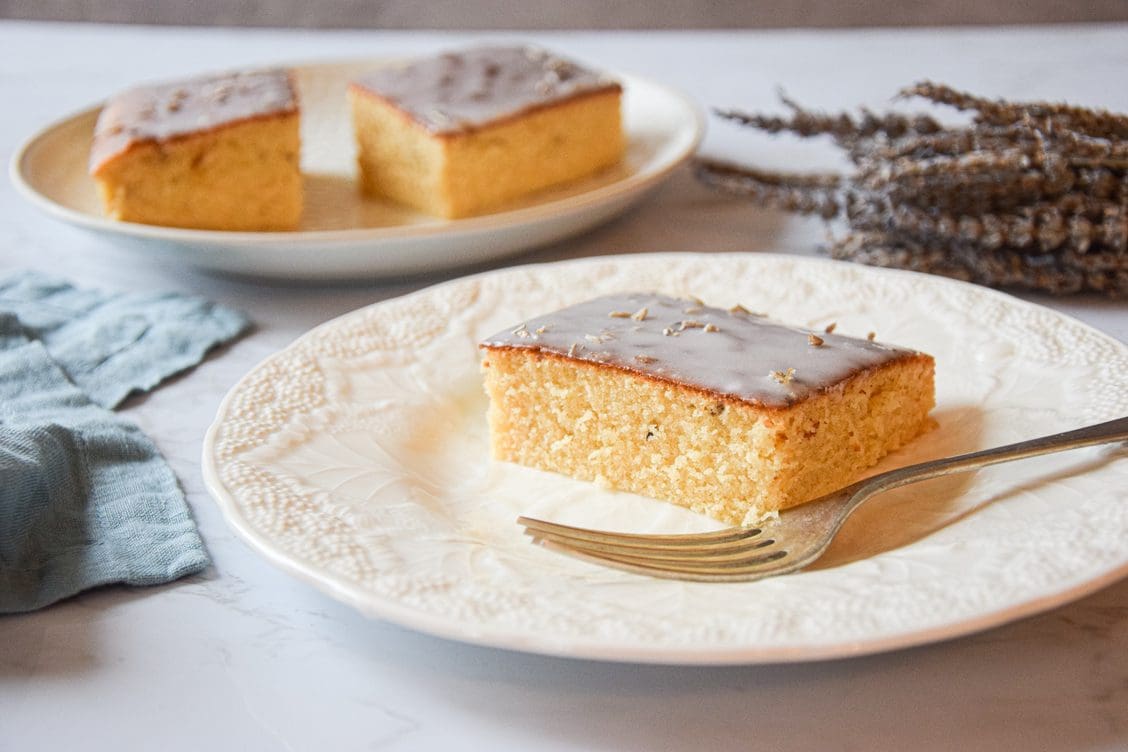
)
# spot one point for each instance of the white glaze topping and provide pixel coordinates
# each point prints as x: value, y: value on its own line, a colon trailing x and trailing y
x: 730, y: 353
x: 161, y: 112
x: 459, y: 91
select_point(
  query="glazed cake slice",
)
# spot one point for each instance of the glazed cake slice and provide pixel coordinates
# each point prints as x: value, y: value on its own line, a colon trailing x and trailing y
x: 724, y: 412
x: 215, y: 153
x: 465, y: 132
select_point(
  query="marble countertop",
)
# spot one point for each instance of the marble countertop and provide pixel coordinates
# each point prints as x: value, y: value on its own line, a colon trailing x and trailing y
x: 244, y: 657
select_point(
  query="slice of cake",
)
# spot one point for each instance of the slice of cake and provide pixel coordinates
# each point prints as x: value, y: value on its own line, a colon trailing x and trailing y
x: 723, y: 412
x: 216, y: 153
x: 465, y: 132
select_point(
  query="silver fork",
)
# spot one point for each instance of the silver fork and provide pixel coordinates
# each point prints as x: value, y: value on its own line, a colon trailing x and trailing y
x: 798, y: 536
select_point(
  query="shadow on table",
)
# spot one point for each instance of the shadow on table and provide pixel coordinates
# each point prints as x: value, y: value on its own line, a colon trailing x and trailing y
x: 1058, y: 681
x: 902, y: 516
x: 899, y: 517
x: 681, y: 216
x: 27, y: 651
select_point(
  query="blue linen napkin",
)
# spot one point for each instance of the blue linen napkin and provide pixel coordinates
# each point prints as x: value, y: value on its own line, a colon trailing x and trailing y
x: 85, y: 497
x: 112, y: 344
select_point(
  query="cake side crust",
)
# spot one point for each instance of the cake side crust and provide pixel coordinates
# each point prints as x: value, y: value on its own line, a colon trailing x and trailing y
x: 243, y: 176
x: 170, y: 112
x: 767, y: 408
x: 714, y: 454
x: 467, y: 129
x: 108, y: 159
x: 684, y: 341
x: 548, y: 147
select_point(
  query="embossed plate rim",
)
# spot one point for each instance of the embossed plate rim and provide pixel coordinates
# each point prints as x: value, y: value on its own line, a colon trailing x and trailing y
x: 598, y: 648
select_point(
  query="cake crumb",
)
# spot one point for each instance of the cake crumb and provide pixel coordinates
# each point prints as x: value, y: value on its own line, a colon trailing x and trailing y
x: 814, y: 340
x: 871, y: 336
x: 738, y: 308
x: 619, y: 315
x: 640, y: 314
x: 830, y: 327
x: 645, y: 359
x: 711, y: 328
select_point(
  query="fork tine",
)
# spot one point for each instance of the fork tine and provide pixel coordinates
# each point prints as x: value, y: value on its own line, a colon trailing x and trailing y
x: 695, y: 559
x: 745, y: 572
x: 645, y: 540
x: 731, y: 550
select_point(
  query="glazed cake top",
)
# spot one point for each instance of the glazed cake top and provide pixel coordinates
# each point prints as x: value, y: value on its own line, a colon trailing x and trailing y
x: 731, y: 353
x: 460, y: 91
x: 161, y: 112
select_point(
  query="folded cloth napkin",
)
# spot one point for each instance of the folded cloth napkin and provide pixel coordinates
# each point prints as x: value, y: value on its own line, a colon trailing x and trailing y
x: 85, y: 497
x: 112, y: 344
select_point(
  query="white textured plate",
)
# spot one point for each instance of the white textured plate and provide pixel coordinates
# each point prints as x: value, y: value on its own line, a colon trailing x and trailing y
x: 357, y: 459
x: 346, y: 235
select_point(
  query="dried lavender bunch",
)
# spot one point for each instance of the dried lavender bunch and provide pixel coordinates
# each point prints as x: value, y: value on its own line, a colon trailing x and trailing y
x: 845, y: 128
x: 1030, y: 194
x: 987, y: 178
x: 1093, y: 151
x: 801, y: 194
x: 1100, y: 123
x: 1074, y: 226
x: 1049, y: 272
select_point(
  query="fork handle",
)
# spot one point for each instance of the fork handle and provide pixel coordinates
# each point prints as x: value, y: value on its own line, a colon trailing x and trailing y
x: 1101, y: 433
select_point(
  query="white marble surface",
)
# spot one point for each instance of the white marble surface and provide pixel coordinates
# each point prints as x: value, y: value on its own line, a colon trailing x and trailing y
x: 243, y: 657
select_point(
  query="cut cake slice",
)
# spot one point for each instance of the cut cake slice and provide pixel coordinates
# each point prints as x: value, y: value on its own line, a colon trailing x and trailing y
x: 216, y: 153
x: 463, y: 133
x: 724, y: 412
